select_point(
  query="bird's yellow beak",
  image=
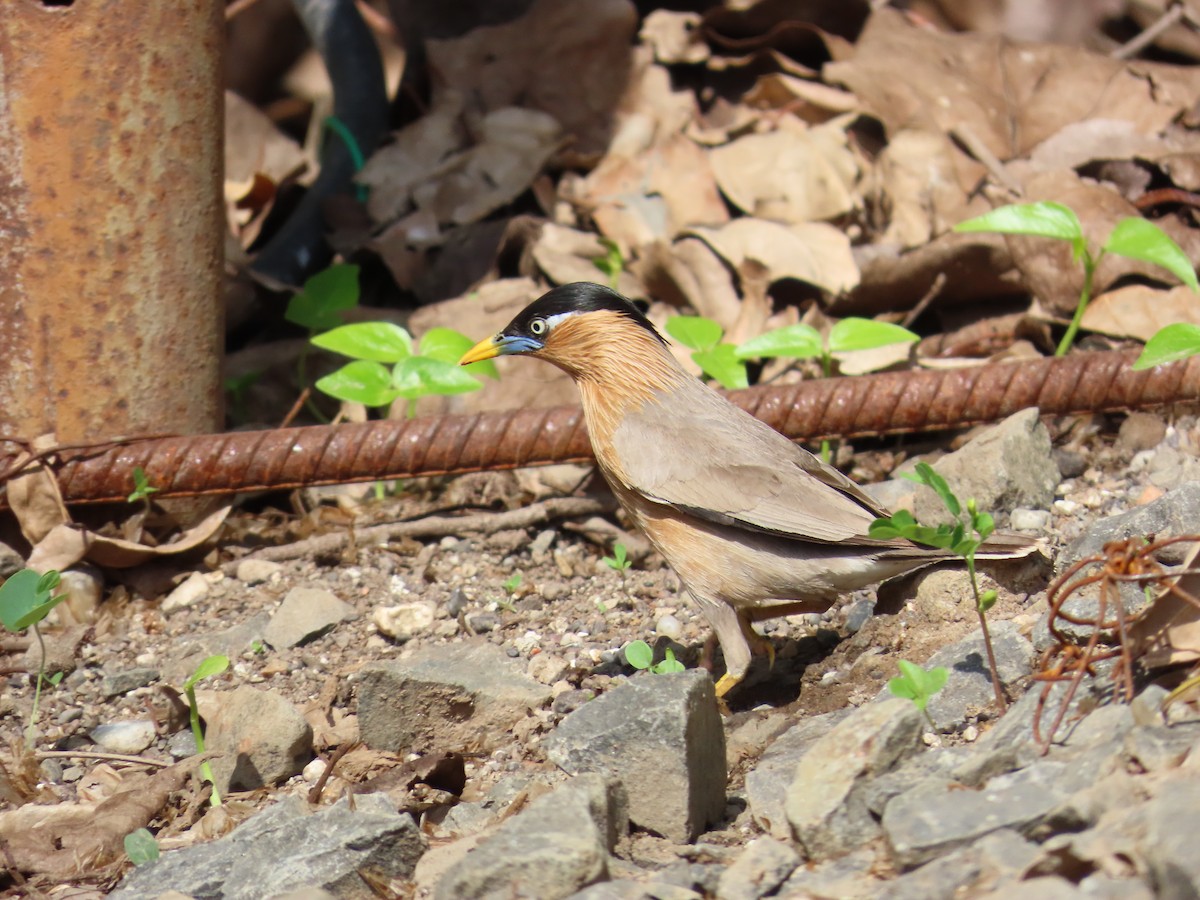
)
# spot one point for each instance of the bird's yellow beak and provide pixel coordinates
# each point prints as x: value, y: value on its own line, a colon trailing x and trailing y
x: 485, y: 349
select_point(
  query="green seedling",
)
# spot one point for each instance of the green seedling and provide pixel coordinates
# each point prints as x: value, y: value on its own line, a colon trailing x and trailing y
x: 387, y: 365
x: 1169, y: 343
x: 802, y: 341
x: 963, y: 537
x: 716, y: 360
x: 619, y: 561
x: 325, y: 298
x: 640, y: 655
x: 212, y: 665
x: 142, y: 489
x: 1133, y: 237
x: 612, y: 263
x: 511, y: 584
x: 26, y: 598
x: 141, y: 847
x: 918, y: 685
x: 257, y: 647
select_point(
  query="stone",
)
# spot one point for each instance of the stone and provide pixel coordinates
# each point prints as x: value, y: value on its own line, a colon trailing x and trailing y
x: 768, y: 782
x: 1171, y: 515
x: 286, y: 848
x: 131, y: 736
x: 849, y: 877
x: 995, y: 857
x: 827, y: 814
x: 1157, y: 747
x: 662, y: 736
x: 445, y: 698
x: 560, y: 843
x: 764, y: 865
x: 230, y: 642
x: 305, y: 614
x: 1035, y: 520
x: 1140, y: 431
x: 1171, y: 822
x: 404, y: 621
x: 969, y: 685
x: 1006, y: 466
x: 115, y: 684
x: 263, y: 737
x: 193, y: 589
x: 256, y: 571
x: 628, y: 889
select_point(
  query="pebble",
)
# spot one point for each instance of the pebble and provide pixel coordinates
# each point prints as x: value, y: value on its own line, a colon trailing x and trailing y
x: 1029, y: 519
x: 194, y: 589
x: 130, y: 736
x: 404, y: 621
x: 256, y: 571
x: 670, y: 627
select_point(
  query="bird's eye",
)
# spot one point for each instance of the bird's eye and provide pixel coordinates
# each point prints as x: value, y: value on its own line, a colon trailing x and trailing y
x: 537, y: 326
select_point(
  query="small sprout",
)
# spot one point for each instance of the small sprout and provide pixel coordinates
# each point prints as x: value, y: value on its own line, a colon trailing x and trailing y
x: 618, y: 562
x: 210, y: 666
x: 601, y: 606
x: 512, y: 583
x: 257, y: 647
x: 1169, y: 343
x: 324, y: 298
x: 142, y: 489
x: 669, y: 663
x: 26, y: 598
x: 918, y: 685
x: 612, y: 263
x: 1132, y: 237
x: 640, y: 655
x: 141, y: 847
x: 716, y: 360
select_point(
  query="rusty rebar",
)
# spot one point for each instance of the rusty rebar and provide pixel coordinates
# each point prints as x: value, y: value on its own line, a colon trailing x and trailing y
x: 888, y: 403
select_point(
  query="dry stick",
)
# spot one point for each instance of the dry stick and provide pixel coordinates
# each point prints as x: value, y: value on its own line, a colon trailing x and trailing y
x: 1172, y: 16
x: 96, y: 754
x: 930, y: 295
x: 435, y: 526
x: 978, y: 149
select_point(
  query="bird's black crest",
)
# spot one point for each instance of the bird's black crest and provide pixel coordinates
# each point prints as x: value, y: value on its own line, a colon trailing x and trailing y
x: 581, y: 297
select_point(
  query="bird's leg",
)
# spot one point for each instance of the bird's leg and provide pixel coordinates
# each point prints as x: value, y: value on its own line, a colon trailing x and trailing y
x: 730, y: 629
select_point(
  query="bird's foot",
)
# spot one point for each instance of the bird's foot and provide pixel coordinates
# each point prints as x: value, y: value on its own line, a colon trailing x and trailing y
x: 727, y: 683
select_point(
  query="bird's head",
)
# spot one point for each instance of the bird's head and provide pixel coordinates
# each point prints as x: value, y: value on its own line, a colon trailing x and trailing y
x: 579, y: 327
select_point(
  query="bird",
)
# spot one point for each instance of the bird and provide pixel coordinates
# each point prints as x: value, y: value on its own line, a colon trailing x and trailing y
x: 754, y: 525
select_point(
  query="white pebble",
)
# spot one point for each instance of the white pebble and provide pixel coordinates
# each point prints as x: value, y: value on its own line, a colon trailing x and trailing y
x: 192, y: 591
x: 670, y: 627
x: 1029, y: 519
x: 131, y: 736
x: 405, y: 620
x: 256, y: 571
x: 314, y: 770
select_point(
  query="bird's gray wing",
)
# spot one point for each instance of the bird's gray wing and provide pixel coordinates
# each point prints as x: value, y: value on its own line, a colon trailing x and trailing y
x: 696, y: 451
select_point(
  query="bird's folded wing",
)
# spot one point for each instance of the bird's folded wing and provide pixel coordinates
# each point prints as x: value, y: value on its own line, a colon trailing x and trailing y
x: 710, y: 458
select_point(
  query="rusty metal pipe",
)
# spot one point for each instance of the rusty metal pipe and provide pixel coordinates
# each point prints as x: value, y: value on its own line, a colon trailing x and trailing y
x: 889, y: 403
x: 111, y: 222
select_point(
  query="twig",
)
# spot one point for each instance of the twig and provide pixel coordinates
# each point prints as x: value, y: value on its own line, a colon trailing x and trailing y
x: 110, y: 757
x: 1172, y: 16
x: 435, y: 526
x: 314, y: 795
x: 978, y: 149
x: 930, y: 295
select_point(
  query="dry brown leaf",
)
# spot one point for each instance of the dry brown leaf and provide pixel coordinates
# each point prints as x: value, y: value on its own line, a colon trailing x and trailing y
x: 34, y: 497
x: 689, y: 273
x: 119, y: 554
x: 654, y: 195
x: 1139, y: 311
x: 567, y: 255
x: 812, y: 252
x: 255, y: 146
x: 793, y: 174
x: 1010, y: 96
x: 1169, y: 631
x: 68, y: 840
x: 810, y: 100
x: 567, y: 59
x: 916, y: 182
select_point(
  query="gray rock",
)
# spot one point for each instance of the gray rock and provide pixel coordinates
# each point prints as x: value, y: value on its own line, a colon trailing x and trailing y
x: 256, y: 571
x: 849, y: 877
x: 1157, y: 747
x: 763, y: 866
x: 263, y: 737
x: 1141, y: 431
x: 445, y: 698
x: 1171, y: 822
x: 285, y: 848
x: 969, y: 685
x: 627, y: 889
x: 1047, y: 887
x: 304, y: 614
x: 182, y: 744
x: 117, y: 683
x: 1173, y: 514
x: 661, y: 736
x: 1007, y: 466
x: 559, y: 844
x: 1002, y: 855
x: 938, y: 816
x: 768, y: 782
x: 129, y: 736
x: 827, y: 813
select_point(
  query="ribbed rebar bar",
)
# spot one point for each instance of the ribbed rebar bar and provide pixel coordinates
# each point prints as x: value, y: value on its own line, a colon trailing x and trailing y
x: 888, y: 403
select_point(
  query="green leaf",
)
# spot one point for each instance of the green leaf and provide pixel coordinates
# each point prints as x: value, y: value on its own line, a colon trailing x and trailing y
x: 449, y: 346
x: 695, y: 332
x: 1141, y: 239
x: 866, y: 334
x: 19, y: 595
x: 141, y: 847
x: 721, y: 363
x: 883, y: 530
x: 668, y: 665
x: 324, y: 296
x: 1171, y: 342
x: 377, y: 341
x: 984, y: 525
x: 1043, y: 219
x: 210, y: 666
x: 39, y: 612
x: 420, y: 376
x: 964, y: 547
x: 927, y: 476
x: 800, y: 341
x: 49, y: 582
x: 361, y: 381
x: 917, y: 684
x: 638, y: 654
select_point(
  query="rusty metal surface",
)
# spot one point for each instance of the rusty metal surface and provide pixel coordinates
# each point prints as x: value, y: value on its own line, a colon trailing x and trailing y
x: 111, y: 224
x: 889, y: 403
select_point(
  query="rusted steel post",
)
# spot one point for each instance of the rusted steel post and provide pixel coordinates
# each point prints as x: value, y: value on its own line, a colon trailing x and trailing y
x: 111, y: 224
